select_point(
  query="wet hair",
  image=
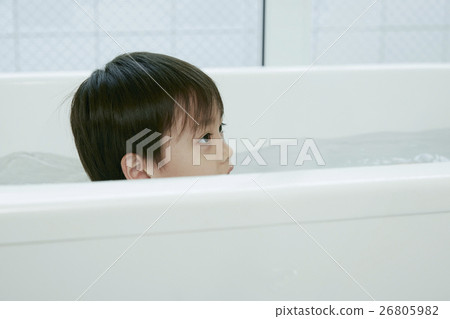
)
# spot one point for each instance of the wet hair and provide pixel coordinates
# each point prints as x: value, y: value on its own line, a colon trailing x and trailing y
x: 134, y: 92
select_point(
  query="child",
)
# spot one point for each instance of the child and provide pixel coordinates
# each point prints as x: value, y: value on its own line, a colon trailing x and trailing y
x: 144, y: 92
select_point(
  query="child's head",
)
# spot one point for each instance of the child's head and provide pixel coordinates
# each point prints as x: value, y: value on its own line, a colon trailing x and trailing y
x: 145, y: 92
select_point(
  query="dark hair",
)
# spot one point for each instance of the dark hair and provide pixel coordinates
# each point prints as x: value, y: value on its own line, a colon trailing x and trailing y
x: 136, y: 91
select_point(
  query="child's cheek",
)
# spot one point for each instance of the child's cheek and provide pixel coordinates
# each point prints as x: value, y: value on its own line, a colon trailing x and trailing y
x: 208, y: 149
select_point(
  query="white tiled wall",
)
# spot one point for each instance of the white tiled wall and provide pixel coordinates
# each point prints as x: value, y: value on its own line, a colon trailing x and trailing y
x: 6, y: 20
x: 52, y: 35
x: 55, y: 35
x: 341, y: 13
x: 417, y: 46
x: 416, y: 12
x: 7, y: 60
x: 392, y: 31
x: 58, y: 53
x: 52, y: 16
x: 135, y: 15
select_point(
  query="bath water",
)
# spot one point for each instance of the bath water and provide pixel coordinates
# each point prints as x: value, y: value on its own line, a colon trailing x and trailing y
x: 380, y: 148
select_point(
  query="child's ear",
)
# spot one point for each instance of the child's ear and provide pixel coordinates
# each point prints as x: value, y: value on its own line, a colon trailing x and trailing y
x: 133, y: 166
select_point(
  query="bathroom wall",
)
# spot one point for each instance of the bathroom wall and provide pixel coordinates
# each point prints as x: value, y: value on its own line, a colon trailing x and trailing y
x: 392, y: 31
x: 57, y: 35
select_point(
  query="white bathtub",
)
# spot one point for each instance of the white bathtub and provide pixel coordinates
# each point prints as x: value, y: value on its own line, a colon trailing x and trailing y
x: 358, y: 233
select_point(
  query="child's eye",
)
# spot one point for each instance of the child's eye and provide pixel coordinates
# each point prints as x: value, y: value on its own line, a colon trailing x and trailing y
x: 205, y: 138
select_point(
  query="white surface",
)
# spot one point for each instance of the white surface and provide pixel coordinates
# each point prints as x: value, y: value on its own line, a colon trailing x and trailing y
x: 229, y: 237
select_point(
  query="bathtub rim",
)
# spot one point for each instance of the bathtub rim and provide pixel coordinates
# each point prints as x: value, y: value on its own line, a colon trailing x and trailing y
x: 111, y: 209
x: 246, y: 70
x: 12, y: 196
